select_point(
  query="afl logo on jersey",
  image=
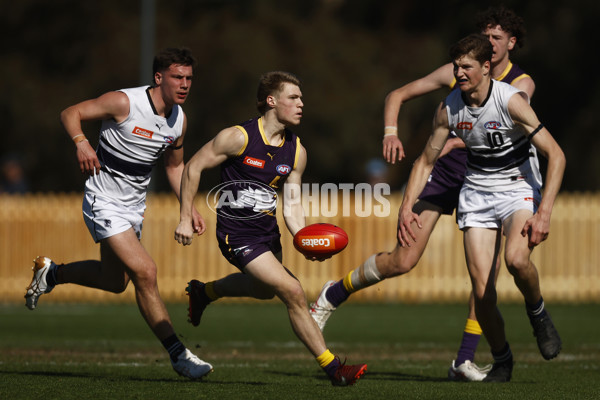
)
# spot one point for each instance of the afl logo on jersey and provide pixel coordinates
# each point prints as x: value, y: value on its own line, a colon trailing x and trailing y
x: 493, y: 125
x: 145, y: 133
x: 169, y: 139
x: 242, y: 199
x: 283, y: 169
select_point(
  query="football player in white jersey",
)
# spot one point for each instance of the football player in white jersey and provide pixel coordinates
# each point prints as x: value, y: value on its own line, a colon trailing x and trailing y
x: 497, y: 124
x: 506, y: 32
x: 138, y: 126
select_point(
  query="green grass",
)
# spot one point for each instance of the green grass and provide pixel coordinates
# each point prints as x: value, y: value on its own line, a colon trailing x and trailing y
x: 107, y: 352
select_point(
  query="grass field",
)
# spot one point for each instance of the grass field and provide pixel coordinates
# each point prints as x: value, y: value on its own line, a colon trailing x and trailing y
x: 107, y: 352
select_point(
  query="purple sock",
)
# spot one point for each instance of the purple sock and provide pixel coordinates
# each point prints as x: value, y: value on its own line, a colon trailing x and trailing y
x: 332, y: 367
x: 337, y: 293
x: 467, y: 348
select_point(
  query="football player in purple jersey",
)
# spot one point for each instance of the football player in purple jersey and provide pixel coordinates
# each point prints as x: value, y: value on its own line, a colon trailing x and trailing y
x: 256, y: 158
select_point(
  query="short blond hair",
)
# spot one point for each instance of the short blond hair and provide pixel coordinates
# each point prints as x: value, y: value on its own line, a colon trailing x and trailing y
x: 271, y: 83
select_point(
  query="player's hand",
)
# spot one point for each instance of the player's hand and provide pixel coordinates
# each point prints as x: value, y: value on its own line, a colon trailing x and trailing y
x: 392, y: 147
x: 88, y: 160
x: 537, y: 228
x: 198, y: 223
x: 406, y: 235
x: 184, y: 233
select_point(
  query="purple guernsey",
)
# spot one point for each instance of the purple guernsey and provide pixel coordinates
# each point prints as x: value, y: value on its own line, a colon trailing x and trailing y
x: 248, y: 198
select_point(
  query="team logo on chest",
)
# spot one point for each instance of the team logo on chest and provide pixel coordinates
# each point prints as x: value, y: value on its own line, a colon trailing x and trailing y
x: 145, y: 133
x: 283, y: 169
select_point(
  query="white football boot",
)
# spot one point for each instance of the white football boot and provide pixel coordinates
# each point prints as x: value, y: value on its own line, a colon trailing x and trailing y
x: 468, y: 372
x: 322, y: 309
x: 38, y: 285
x: 190, y: 366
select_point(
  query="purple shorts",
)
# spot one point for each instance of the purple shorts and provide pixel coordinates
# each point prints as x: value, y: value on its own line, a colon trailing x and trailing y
x: 446, y: 179
x: 240, y: 250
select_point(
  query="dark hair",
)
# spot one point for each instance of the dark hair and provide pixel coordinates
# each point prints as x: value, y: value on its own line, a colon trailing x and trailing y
x: 272, y: 83
x: 170, y: 56
x: 508, y: 21
x: 476, y: 45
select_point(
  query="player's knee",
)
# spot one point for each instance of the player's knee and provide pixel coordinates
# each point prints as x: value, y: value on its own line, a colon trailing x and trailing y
x: 297, y: 294
x: 516, y: 262
x: 146, y: 276
x: 396, y: 263
x: 293, y: 294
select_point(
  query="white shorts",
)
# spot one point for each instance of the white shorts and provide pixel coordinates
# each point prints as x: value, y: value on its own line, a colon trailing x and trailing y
x: 105, y: 219
x: 479, y: 209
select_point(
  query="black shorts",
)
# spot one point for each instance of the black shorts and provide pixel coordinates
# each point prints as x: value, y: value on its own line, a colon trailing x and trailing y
x: 240, y: 250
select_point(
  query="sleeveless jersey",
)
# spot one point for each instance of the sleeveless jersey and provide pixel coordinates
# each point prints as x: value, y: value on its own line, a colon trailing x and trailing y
x: 130, y: 149
x: 511, y: 74
x: 248, y: 197
x: 498, y: 149
x: 452, y: 166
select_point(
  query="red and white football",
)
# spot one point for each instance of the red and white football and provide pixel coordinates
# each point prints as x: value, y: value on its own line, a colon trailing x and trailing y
x: 320, y: 240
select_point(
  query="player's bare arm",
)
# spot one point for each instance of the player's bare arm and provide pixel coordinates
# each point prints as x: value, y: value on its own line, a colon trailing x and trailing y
x: 526, y: 85
x: 441, y: 77
x: 228, y: 143
x: 538, y: 226
x: 113, y: 105
x: 451, y: 144
x: 174, y: 164
x: 292, y: 200
x: 418, y: 176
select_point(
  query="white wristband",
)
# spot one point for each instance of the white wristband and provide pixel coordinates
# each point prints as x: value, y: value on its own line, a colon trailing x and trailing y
x: 390, y: 131
x: 79, y: 138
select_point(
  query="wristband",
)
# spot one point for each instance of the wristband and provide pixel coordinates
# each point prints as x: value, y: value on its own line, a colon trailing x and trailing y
x: 79, y: 138
x: 390, y: 131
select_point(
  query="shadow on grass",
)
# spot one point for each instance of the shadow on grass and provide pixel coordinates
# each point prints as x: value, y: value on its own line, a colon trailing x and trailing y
x: 380, y: 376
x: 398, y: 376
x: 47, y: 374
x: 109, y: 377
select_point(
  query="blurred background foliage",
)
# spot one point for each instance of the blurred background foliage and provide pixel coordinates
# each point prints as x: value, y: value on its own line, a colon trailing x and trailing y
x: 348, y: 53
